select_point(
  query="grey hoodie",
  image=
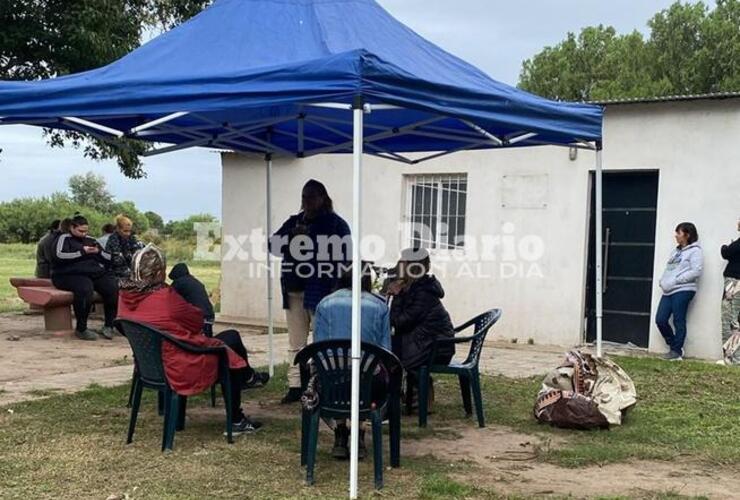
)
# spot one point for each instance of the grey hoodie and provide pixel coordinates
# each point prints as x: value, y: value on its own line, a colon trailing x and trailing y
x: 683, y: 270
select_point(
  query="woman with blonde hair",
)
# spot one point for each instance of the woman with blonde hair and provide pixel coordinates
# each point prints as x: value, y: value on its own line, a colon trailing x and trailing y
x: 122, y: 245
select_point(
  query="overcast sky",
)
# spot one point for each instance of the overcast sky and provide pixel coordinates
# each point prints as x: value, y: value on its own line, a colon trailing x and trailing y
x: 492, y: 34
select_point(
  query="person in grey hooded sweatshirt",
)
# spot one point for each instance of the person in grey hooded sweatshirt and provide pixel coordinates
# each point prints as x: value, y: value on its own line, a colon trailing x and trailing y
x: 679, y: 284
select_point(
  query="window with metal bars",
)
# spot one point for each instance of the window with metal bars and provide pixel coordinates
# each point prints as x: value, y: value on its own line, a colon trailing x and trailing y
x: 435, y: 211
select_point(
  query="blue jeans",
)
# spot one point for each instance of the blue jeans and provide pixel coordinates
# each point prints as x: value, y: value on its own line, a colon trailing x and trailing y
x: 674, y: 305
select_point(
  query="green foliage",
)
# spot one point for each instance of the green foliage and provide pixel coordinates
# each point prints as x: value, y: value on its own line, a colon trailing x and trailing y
x: 155, y: 220
x: 44, y: 39
x: 184, y: 230
x: 690, y: 49
x: 90, y: 190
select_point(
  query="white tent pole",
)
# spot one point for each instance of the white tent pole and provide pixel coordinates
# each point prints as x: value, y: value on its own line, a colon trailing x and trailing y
x: 268, y: 230
x: 357, y: 110
x: 599, y: 250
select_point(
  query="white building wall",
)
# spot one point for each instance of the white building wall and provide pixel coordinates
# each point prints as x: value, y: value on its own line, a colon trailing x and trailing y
x: 689, y: 143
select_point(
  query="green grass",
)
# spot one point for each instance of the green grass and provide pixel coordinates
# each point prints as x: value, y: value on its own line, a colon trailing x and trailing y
x: 71, y: 446
x: 18, y: 259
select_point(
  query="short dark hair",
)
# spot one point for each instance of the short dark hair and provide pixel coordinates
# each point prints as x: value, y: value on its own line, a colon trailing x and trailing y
x: 108, y: 228
x: 690, y: 229
x: 366, y: 277
x: 54, y: 225
x: 78, y: 220
x: 64, y: 224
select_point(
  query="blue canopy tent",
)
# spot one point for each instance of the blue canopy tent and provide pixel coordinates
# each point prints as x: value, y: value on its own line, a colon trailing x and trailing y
x: 301, y: 78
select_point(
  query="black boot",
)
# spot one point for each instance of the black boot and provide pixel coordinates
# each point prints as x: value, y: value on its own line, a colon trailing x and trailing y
x: 340, y: 451
x: 292, y: 396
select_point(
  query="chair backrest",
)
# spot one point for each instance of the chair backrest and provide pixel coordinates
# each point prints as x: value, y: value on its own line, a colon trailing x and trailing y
x: 331, y: 360
x: 146, y: 343
x: 483, y: 323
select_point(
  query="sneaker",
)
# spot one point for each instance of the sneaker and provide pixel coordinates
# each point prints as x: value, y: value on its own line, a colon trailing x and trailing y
x: 86, y: 335
x: 108, y: 332
x: 672, y: 356
x: 259, y: 379
x: 292, y: 396
x: 245, y: 426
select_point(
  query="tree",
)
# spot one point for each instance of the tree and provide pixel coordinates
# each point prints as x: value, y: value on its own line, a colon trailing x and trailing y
x: 155, y: 220
x: 690, y: 49
x: 185, y: 229
x: 50, y: 38
x: 90, y: 190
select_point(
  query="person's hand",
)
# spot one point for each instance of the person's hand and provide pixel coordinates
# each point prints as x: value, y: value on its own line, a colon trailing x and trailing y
x: 91, y: 249
x: 395, y: 287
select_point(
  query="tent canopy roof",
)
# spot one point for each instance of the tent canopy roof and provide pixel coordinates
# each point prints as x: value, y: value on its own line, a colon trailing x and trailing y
x: 248, y: 73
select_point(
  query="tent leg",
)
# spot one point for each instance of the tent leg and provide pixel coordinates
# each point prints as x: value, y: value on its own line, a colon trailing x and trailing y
x: 268, y: 228
x: 357, y: 111
x: 599, y: 250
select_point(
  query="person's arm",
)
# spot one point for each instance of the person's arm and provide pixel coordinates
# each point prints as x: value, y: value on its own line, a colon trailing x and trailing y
x: 280, y: 239
x: 113, y: 248
x: 696, y: 266
x: 63, y: 252
x: 410, y: 311
x: 385, y: 328
x: 731, y: 250
x: 321, y: 324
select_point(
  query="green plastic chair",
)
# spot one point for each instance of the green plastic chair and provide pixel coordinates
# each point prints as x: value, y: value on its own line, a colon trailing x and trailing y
x: 331, y: 362
x: 146, y: 343
x: 467, y: 371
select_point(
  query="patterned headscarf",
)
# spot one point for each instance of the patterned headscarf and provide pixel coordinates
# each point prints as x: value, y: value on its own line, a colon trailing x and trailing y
x: 148, y: 270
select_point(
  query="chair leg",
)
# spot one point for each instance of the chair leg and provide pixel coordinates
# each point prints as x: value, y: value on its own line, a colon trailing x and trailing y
x: 160, y: 403
x: 305, y: 426
x: 213, y: 396
x: 166, y: 401
x: 465, y: 392
x: 478, y: 397
x: 171, y: 418
x: 134, y: 379
x: 183, y: 404
x: 423, y: 395
x: 226, y: 390
x: 136, y: 389
x: 313, y: 440
x: 378, y: 449
x: 394, y: 427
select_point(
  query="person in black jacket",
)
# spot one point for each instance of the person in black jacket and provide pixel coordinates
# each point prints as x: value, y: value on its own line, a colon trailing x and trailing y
x: 122, y: 245
x: 731, y: 296
x: 194, y: 292
x: 80, y: 267
x: 305, y: 281
x: 418, y: 316
x: 45, y: 251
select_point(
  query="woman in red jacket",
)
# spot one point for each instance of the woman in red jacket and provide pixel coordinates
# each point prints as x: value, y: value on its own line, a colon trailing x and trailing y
x: 146, y: 298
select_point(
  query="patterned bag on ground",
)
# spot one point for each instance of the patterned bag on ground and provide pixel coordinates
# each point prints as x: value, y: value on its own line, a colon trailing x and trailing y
x: 585, y: 393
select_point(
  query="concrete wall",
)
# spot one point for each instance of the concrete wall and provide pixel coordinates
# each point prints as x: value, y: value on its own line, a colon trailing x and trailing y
x: 689, y: 143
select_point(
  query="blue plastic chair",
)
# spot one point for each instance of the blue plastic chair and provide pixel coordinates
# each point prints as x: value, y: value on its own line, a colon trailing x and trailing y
x: 467, y: 371
x: 331, y: 361
x: 146, y: 343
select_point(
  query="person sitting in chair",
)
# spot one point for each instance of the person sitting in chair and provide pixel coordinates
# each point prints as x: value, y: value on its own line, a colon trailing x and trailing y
x: 147, y: 299
x: 333, y: 320
x: 418, y: 316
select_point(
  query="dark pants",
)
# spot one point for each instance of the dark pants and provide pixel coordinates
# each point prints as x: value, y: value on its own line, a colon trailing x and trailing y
x: 674, y: 305
x: 234, y: 341
x: 83, y: 287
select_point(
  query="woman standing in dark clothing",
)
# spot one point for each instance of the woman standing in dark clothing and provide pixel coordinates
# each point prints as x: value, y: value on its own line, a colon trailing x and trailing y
x: 731, y: 300
x: 79, y: 267
x: 313, y: 244
x: 122, y: 245
x: 417, y: 313
x: 45, y: 251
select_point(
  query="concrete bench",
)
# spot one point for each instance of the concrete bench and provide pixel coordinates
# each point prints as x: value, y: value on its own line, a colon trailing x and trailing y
x: 55, y: 303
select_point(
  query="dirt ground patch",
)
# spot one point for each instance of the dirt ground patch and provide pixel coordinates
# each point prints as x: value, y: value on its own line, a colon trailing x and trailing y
x: 507, y: 462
